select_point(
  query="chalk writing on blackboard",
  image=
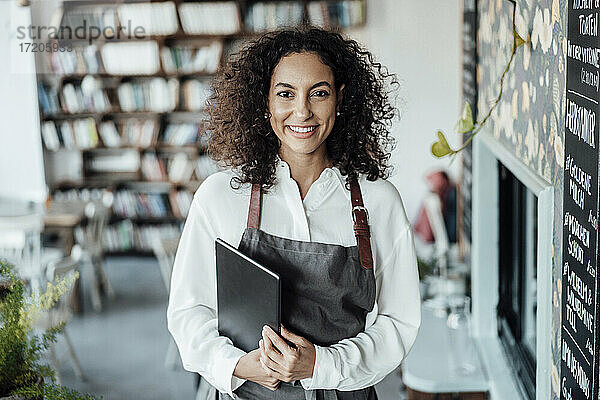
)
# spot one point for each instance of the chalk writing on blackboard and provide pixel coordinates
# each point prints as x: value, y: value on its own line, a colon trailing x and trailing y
x: 580, y: 298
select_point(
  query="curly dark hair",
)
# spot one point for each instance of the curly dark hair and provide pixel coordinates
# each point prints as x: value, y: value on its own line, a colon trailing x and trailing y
x: 241, y: 137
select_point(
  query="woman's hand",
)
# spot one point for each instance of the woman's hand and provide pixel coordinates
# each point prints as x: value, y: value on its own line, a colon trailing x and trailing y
x: 249, y: 367
x: 284, y: 362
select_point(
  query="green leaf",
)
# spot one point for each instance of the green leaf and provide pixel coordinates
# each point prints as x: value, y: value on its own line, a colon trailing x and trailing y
x: 519, y: 41
x: 465, y: 123
x: 441, y: 147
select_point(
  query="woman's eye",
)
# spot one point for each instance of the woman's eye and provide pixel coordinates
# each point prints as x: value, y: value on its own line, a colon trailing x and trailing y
x: 285, y: 94
x: 321, y: 93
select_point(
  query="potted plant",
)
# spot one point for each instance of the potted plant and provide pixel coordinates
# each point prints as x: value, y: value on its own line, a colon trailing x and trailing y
x: 22, y: 370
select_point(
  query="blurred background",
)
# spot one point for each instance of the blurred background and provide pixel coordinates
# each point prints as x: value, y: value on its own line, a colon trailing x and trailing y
x: 102, y: 148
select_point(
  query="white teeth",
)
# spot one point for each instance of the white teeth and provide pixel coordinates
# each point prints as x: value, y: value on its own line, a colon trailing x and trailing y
x: 302, y: 130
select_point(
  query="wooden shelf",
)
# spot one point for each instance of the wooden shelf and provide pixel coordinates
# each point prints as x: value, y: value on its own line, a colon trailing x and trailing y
x: 123, y: 114
x: 179, y: 36
x: 143, y: 220
x: 105, y: 75
x: 133, y: 181
x: 191, y: 148
x: 129, y: 253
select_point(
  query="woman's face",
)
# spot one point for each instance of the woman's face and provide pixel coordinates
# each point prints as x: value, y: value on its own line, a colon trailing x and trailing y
x: 302, y: 102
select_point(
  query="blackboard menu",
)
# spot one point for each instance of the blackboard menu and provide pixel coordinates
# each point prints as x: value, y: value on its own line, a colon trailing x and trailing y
x: 580, y: 329
x: 469, y: 91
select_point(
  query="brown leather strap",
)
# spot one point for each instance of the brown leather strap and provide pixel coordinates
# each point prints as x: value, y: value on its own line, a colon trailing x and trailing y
x: 255, y: 207
x: 359, y: 215
x: 361, y: 225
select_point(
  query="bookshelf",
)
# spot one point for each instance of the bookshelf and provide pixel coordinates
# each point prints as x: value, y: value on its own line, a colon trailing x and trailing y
x: 125, y: 111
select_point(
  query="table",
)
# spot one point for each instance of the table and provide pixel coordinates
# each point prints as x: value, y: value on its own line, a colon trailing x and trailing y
x: 62, y: 217
x: 428, y: 371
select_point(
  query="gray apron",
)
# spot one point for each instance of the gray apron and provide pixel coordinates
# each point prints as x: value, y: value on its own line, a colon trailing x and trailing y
x: 327, y: 291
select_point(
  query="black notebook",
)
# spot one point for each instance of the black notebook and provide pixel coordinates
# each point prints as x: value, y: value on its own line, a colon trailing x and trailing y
x: 248, y: 297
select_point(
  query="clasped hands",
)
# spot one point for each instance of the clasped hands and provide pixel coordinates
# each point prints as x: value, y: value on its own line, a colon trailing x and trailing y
x: 276, y: 361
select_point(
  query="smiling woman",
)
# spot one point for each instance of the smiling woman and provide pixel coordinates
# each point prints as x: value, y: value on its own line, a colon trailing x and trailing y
x: 302, y: 118
x: 302, y: 107
x: 357, y: 90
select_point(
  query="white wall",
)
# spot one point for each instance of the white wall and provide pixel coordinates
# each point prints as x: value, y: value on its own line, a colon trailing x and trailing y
x: 420, y: 42
x: 21, y: 165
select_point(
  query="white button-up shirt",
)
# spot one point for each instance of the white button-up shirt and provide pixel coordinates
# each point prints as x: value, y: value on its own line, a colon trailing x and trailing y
x: 323, y: 216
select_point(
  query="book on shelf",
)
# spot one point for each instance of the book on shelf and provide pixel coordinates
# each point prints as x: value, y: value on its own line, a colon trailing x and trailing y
x: 68, y: 135
x: 73, y: 134
x: 180, y: 168
x: 127, y: 160
x: 85, y: 133
x: 88, y: 96
x: 48, y: 97
x: 109, y: 134
x: 210, y: 18
x: 181, y: 201
x: 159, y: 18
x: 81, y: 60
x: 103, y: 16
x: 195, y: 94
x: 330, y: 14
x: 153, y: 168
x: 180, y: 133
x: 131, y: 204
x: 192, y: 59
x: 155, y: 94
x: 139, y: 132
x: 50, y: 136
x: 264, y: 16
x: 127, y: 236
x: 119, y: 236
x: 131, y: 58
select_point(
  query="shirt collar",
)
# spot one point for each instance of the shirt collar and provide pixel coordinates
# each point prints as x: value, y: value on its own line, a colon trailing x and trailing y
x: 283, y: 172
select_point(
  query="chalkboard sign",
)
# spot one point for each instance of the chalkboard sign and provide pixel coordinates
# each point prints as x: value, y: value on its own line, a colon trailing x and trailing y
x: 580, y: 329
x: 469, y: 90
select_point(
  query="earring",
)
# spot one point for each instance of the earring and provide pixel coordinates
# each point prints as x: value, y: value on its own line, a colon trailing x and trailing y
x: 267, y: 115
x: 337, y: 113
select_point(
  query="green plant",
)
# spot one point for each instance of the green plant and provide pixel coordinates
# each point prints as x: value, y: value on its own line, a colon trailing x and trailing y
x: 52, y: 391
x: 466, y: 125
x: 21, y: 364
x: 425, y: 267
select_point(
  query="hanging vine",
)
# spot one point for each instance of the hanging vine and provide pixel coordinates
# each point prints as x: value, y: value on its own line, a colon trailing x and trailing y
x: 466, y: 125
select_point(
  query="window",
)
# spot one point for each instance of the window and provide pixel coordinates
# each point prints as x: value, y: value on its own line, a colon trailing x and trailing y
x: 517, y: 277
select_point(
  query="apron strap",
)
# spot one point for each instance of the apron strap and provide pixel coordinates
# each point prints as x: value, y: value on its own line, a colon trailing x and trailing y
x: 360, y: 216
x: 255, y: 207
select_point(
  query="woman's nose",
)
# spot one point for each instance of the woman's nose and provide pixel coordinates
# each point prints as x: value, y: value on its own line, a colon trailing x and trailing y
x: 302, y: 108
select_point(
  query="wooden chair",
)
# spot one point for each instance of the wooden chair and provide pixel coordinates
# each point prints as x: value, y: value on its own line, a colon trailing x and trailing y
x: 61, y: 313
x: 89, y: 237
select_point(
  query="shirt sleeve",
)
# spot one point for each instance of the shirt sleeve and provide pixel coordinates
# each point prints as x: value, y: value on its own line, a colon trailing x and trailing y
x: 191, y: 313
x: 365, y: 359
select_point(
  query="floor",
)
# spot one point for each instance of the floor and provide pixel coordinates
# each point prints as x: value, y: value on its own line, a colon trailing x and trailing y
x: 122, y: 349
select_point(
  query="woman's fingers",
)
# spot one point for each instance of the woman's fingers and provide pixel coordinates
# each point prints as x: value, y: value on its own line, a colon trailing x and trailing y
x: 269, y: 351
x: 269, y: 364
x: 272, y: 374
x: 277, y: 341
x: 292, y: 337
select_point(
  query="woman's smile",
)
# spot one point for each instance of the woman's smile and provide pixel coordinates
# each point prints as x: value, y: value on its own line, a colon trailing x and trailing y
x: 302, y: 131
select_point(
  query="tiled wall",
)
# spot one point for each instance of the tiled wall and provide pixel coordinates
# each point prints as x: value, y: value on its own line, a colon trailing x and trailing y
x: 529, y: 121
